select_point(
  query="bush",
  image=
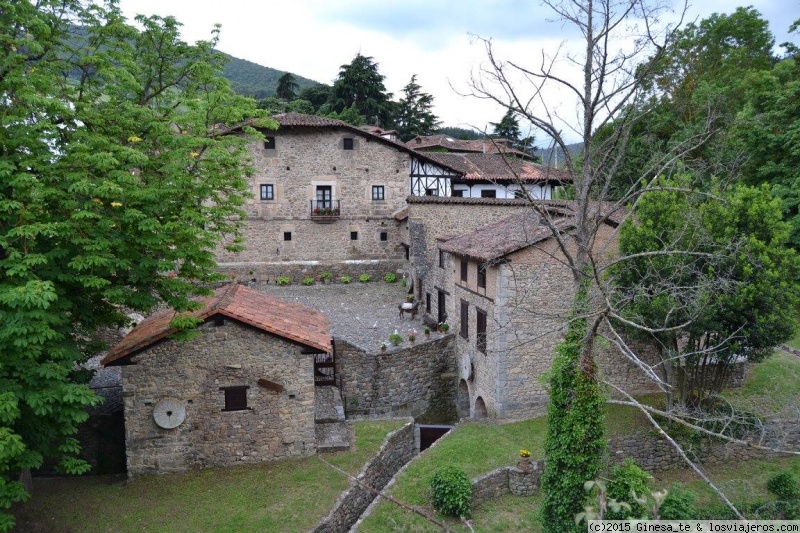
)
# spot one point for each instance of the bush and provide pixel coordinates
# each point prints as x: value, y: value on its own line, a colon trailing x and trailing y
x: 784, y: 486
x: 679, y: 504
x: 346, y: 279
x: 363, y: 278
x: 452, y: 491
x: 308, y: 281
x: 627, y: 479
x: 326, y: 276
x: 391, y: 277
x: 395, y: 339
x: 283, y: 280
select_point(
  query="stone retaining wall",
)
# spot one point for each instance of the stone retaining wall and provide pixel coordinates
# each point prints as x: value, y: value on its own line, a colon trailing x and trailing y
x: 490, y: 486
x: 268, y: 272
x: 398, y: 449
x: 405, y: 381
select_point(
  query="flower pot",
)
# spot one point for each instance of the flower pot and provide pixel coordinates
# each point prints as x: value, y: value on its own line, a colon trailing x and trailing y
x: 525, y: 464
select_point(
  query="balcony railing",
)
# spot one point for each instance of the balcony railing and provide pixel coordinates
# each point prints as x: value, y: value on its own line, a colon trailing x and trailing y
x: 325, y: 210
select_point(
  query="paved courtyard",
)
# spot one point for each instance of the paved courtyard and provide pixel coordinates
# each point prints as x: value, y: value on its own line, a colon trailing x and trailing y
x: 361, y: 313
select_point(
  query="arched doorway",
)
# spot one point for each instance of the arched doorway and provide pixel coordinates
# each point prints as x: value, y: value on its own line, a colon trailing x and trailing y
x: 480, y: 408
x: 462, y: 400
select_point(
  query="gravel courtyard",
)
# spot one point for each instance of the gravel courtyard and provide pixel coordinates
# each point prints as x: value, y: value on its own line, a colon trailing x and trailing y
x: 364, y: 314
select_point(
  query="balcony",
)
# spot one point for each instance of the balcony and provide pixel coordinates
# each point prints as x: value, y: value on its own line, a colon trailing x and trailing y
x: 325, y: 211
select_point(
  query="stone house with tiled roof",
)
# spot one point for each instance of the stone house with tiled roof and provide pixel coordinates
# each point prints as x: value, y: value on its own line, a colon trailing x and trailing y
x: 326, y: 192
x: 241, y: 391
x: 500, y: 280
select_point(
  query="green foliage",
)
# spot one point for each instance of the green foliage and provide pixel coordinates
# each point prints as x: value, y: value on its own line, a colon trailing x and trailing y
x: 413, y: 115
x: 628, y: 480
x: 308, y: 281
x: 250, y: 79
x: 287, y: 87
x: 115, y: 190
x: 452, y: 491
x: 391, y: 277
x: 364, y: 278
x: 395, y: 339
x: 283, y: 280
x: 726, y: 277
x: 575, y: 442
x: 326, y: 276
x: 785, y: 486
x: 346, y: 279
x: 680, y: 504
x: 444, y: 327
x: 359, y: 88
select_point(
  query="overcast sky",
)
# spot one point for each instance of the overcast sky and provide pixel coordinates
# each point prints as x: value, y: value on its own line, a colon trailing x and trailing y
x: 431, y: 38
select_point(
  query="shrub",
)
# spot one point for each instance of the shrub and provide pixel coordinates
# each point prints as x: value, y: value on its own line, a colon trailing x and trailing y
x: 627, y: 479
x: 395, y: 339
x: 391, y: 277
x: 346, y: 279
x: 784, y: 486
x: 444, y: 327
x: 326, y: 276
x: 679, y: 504
x: 363, y: 278
x: 452, y: 491
x: 283, y: 280
x: 308, y: 281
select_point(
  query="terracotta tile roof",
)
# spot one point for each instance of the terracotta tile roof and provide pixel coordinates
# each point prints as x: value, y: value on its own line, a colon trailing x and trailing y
x: 521, y: 230
x: 291, y: 321
x: 500, y: 168
x: 478, y: 146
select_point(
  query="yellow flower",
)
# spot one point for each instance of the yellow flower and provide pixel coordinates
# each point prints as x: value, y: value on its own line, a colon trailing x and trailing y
x: 134, y: 139
x: 116, y: 204
x: 524, y: 453
x: 195, y: 154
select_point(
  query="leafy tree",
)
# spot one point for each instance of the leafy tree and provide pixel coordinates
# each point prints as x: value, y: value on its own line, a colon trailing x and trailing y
x: 113, y: 174
x: 317, y: 95
x: 726, y: 288
x: 287, y: 86
x: 360, y: 86
x: 460, y: 133
x: 508, y: 127
x: 414, y: 116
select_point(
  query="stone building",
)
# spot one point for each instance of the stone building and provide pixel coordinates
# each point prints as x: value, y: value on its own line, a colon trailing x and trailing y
x: 502, y: 285
x: 325, y: 193
x: 242, y: 390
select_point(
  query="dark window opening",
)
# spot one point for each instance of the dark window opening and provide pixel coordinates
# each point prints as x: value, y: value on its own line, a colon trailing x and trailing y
x: 489, y: 193
x: 464, y: 320
x: 324, y: 196
x: 219, y: 320
x: 287, y: 235
x: 385, y: 237
x: 480, y: 331
x: 378, y: 192
x: 235, y: 398
x: 464, y: 270
x: 267, y: 191
x: 481, y: 276
x: 269, y: 143
x: 441, y: 307
x: 347, y: 143
x: 441, y: 259
x: 431, y: 192
x: 353, y: 235
x: 427, y: 302
x: 457, y: 193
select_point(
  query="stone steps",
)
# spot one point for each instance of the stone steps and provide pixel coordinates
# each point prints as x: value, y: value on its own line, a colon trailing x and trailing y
x: 333, y: 433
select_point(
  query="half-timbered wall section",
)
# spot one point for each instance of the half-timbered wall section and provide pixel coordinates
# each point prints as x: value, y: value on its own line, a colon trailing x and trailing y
x: 429, y: 179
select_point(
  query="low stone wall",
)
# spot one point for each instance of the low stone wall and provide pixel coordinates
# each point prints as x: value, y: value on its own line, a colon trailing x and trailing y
x: 490, y: 486
x: 268, y: 273
x: 404, y: 381
x: 398, y: 449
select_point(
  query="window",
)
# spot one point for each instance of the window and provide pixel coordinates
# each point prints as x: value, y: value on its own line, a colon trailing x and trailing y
x: 441, y: 259
x: 431, y: 192
x: 489, y: 193
x: 269, y: 143
x: 267, y: 191
x: 457, y: 193
x: 464, y: 320
x: 324, y: 195
x: 347, y: 143
x: 427, y: 302
x: 464, y: 270
x: 482, y: 276
x: 378, y: 192
x: 480, y: 331
x: 287, y: 235
x: 385, y: 237
x: 235, y: 398
x: 353, y: 235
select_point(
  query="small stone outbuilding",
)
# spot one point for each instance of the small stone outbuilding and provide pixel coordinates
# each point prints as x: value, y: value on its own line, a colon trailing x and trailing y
x: 241, y: 391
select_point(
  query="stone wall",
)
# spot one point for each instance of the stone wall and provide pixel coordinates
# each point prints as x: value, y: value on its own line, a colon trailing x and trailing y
x: 398, y: 449
x: 490, y: 486
x: 404, y: 381
x: 274, y: 425
x: 267, y: 273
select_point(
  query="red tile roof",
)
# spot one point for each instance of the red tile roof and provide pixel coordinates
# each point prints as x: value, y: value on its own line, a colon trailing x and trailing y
x: 500, y: 168
x: 291, y: 321
x: 478, y: 146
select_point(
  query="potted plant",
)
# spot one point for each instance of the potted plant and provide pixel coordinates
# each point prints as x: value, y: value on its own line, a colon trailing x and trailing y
x: 384, y: 347
x: 524, y: 462
x: 395, y: 338
x: 326, y: 277
x: 427, y: 332
x: 412, y: 335
x: 444, y: 327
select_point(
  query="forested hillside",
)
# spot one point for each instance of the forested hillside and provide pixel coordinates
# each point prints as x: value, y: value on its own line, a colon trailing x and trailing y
x: 250, y: 79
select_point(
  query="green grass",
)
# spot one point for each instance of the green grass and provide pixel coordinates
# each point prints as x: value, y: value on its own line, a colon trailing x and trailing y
x: 289, y: 495
x: 795, y: 342
x: 772, y: 386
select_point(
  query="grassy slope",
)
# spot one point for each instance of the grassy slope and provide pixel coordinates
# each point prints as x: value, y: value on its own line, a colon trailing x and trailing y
x: 290, y: 495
